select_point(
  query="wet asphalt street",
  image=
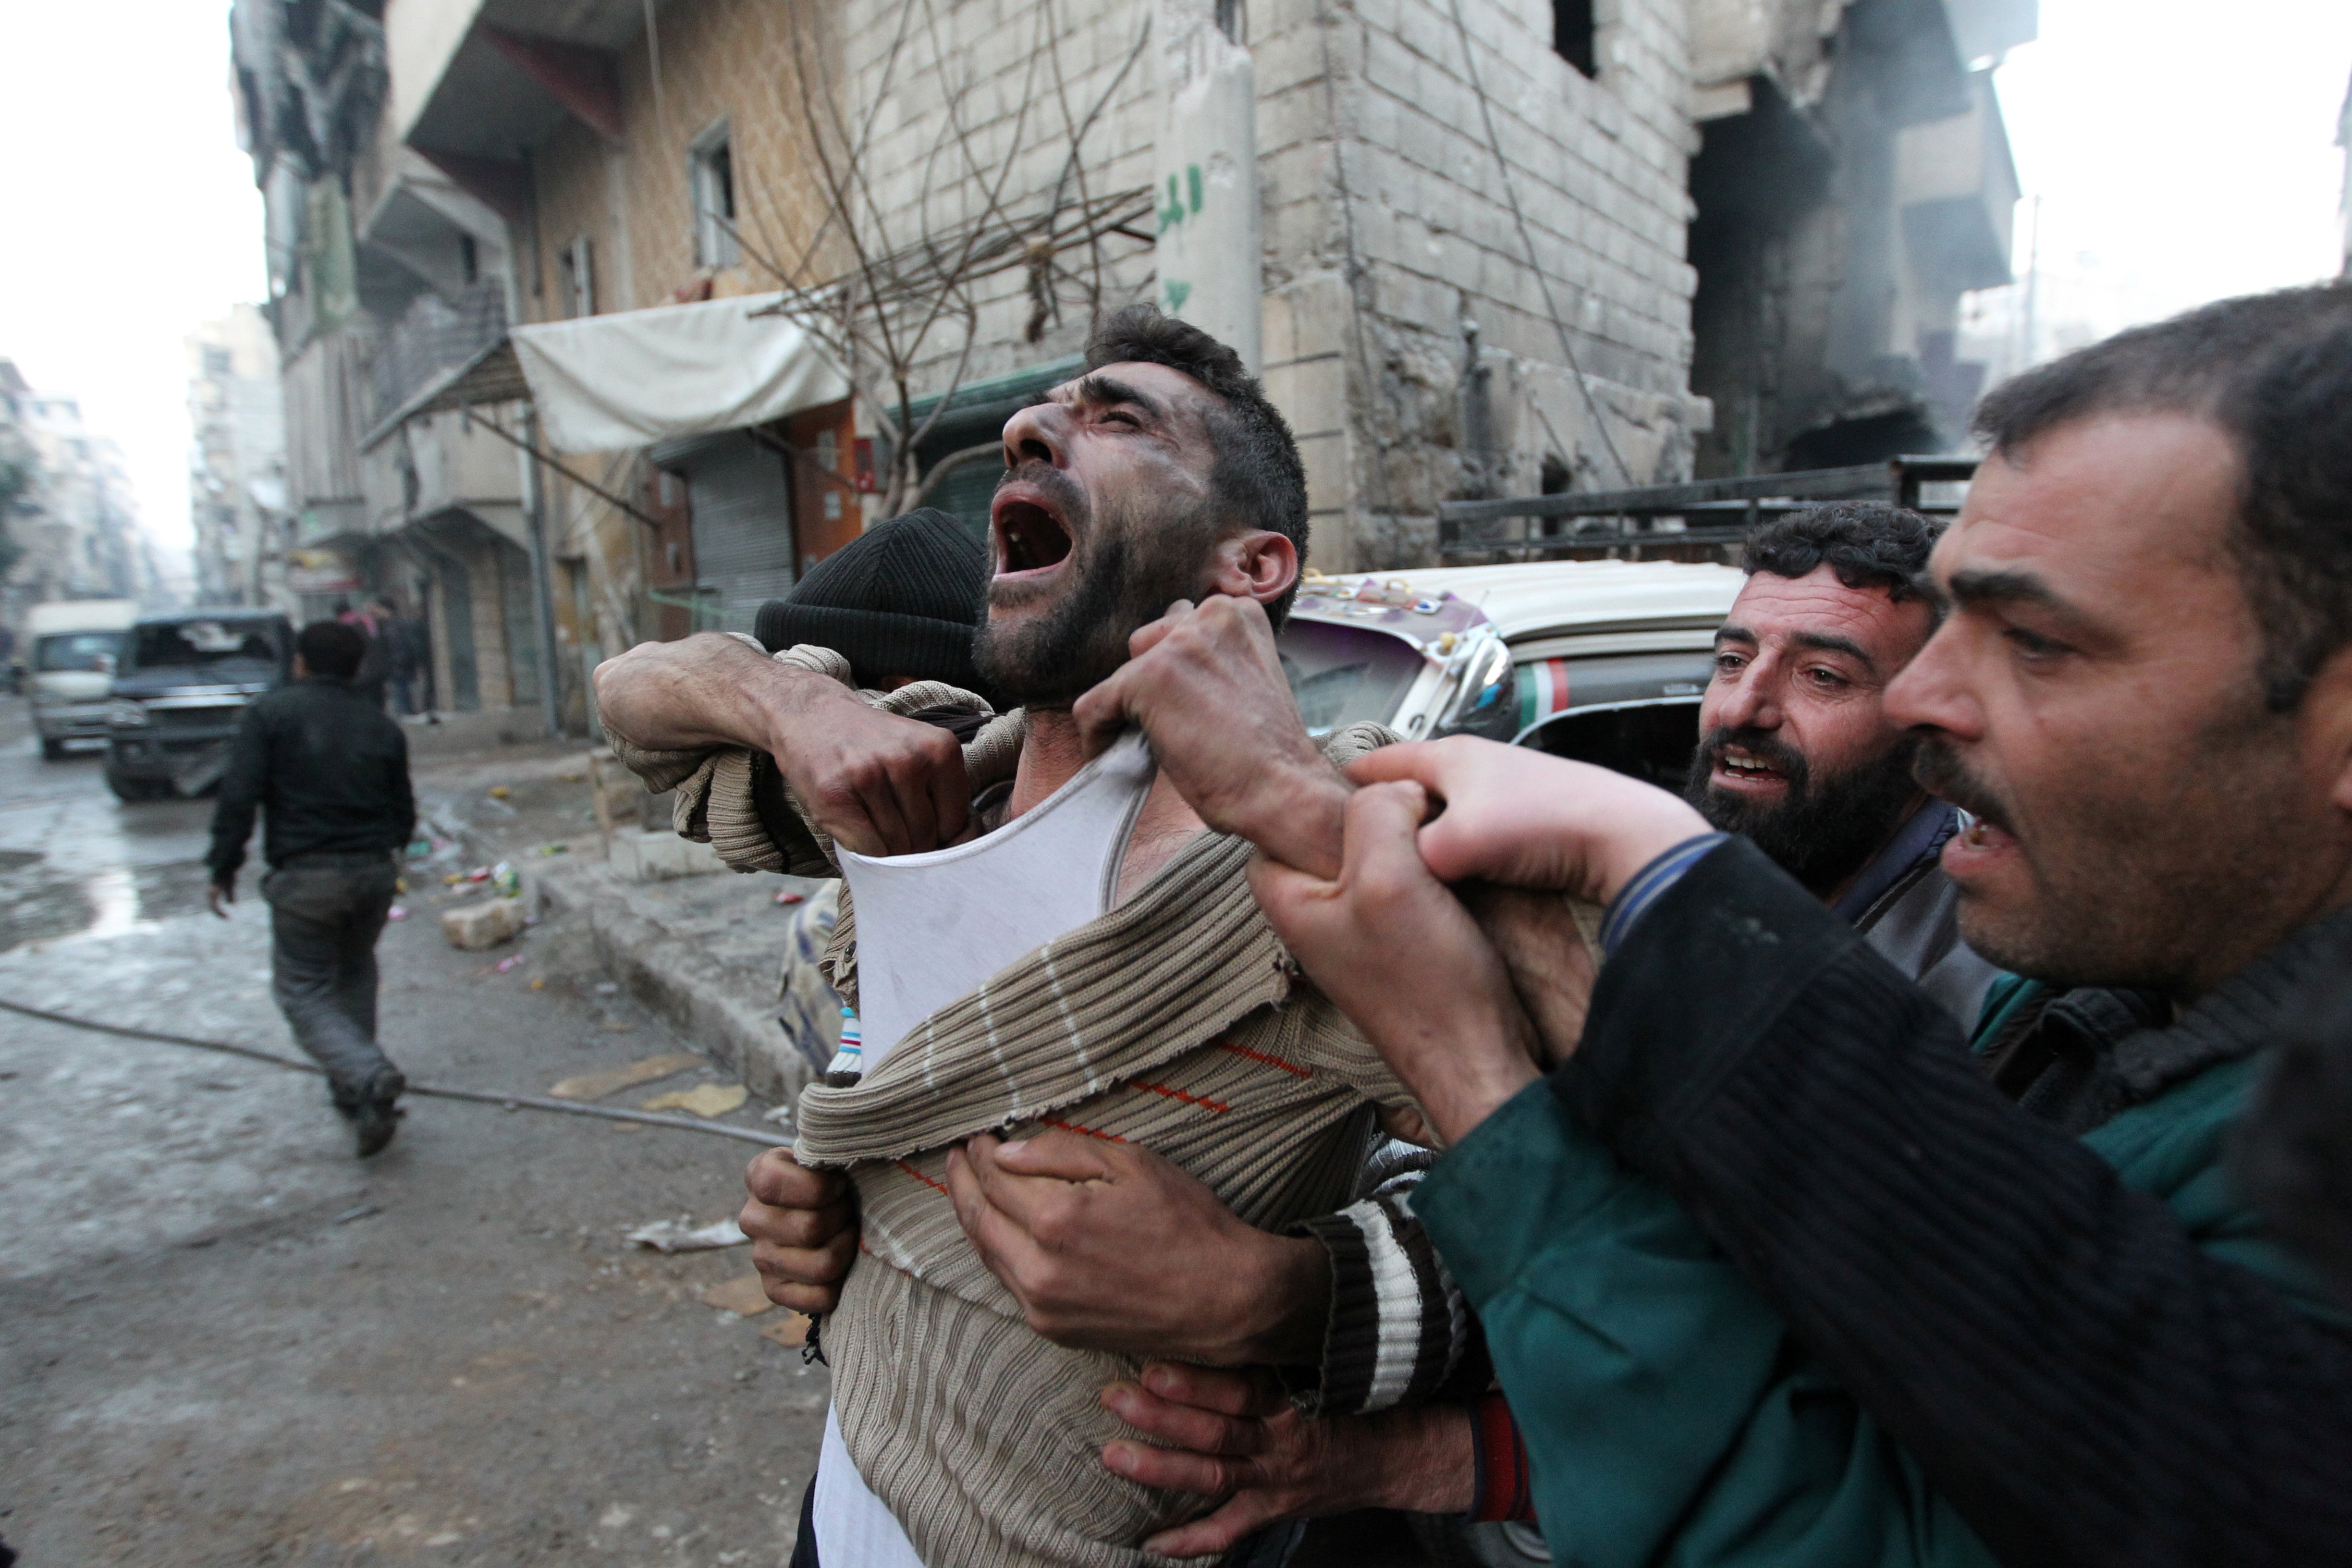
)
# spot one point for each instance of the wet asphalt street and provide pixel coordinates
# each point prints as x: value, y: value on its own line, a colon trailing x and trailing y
x: 224, y: 1341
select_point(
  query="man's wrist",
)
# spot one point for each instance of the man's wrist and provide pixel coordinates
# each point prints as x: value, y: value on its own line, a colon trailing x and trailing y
x: 1297, y: 815
x: 1283, y: 1302
x: 1421, y: 1458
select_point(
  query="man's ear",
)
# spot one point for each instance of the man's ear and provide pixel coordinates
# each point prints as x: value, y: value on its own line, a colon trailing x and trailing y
x: 2325, y: 721
x: 1255, y: 564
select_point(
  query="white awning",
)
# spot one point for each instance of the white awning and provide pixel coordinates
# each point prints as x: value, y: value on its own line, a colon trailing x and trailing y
x: 635, y: 377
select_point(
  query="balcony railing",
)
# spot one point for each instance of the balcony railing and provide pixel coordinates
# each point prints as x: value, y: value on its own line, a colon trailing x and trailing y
x: 432, y: 337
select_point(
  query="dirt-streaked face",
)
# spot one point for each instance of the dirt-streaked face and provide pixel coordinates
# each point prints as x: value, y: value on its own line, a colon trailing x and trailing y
x: 1104, y: 517
x: 2092, y: 697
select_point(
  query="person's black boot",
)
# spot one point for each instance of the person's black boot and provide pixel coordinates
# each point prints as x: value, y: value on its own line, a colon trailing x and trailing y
x: 375, y: 1117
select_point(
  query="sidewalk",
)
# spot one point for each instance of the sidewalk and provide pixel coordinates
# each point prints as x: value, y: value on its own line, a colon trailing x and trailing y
x: 701, y: 951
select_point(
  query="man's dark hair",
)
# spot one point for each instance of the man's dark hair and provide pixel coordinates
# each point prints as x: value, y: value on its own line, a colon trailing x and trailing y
x: 331, y: 648
x: 1257, y: 475
x: 1869, y: 545
x: 2274, y: 372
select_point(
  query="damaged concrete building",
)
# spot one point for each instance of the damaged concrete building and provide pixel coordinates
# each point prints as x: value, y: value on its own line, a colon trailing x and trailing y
x: 1479, y: 248
x: 381, y: 272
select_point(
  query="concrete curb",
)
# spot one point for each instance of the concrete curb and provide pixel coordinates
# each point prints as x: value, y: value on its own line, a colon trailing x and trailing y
x: 676, y: 978
x: 669, y: 971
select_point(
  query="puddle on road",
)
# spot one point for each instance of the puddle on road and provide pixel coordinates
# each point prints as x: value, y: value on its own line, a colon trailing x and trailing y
x: 39, y: 902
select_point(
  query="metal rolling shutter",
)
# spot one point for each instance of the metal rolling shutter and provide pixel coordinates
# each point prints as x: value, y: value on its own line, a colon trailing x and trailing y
x: 743, y: 522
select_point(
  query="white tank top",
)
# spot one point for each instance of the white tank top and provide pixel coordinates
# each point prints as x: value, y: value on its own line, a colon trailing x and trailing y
x: 930, y: 928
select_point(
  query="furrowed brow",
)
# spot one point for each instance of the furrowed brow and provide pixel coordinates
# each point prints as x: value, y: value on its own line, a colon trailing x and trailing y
x: 1104, y: 390
x: 1730, y: 632
x: 1980, y: 587
x: 1829, y: 642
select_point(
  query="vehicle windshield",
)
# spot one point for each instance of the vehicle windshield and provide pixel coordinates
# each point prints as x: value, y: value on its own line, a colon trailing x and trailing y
x: 207, y: 645
x: 1344, y: 675
x: 62, y: 651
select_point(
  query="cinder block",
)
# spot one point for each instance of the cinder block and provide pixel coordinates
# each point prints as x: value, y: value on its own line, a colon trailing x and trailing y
x: 469, y: 927
x: 661, y: 856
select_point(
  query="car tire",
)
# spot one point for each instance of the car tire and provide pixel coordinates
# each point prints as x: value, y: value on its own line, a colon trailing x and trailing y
x: 52, y: 750
x: 135, y: 789
x: 1451, y: 1544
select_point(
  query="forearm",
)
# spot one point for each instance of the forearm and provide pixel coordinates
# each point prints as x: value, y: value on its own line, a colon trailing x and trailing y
x: 710, y: 689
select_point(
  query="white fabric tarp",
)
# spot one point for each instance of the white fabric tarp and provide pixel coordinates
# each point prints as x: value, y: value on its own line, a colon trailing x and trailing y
x: 635, y: 377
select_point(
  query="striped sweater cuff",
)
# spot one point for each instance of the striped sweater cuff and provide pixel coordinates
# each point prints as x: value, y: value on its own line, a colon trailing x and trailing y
x: 1398, y: 1321
x: 1501, y: 1491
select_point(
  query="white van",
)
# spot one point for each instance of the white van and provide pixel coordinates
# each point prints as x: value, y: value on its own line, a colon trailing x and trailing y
x: 71, y: 650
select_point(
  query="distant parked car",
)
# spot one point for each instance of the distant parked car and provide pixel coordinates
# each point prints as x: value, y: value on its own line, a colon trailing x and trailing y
x: 185, y: 683
x: 72, y: 647
x: 1603, y: 661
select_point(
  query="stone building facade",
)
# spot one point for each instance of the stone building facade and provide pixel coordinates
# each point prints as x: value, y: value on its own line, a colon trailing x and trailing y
x: 1504, y: 247
x: 236, y: 464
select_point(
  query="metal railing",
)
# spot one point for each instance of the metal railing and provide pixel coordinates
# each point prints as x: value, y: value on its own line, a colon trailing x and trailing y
x: 433, y: 336
x: 1711, y: 512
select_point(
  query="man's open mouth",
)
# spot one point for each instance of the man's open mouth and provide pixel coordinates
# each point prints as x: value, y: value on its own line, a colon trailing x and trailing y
x: 1742, y: 767
x: 1030, y: 533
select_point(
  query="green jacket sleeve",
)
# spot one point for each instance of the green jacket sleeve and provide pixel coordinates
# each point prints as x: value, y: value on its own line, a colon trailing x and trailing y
x: 1669, y: 1417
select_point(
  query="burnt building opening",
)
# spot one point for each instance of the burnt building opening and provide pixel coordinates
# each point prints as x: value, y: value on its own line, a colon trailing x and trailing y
x: 1835, y: 234
x: 1572, y: 35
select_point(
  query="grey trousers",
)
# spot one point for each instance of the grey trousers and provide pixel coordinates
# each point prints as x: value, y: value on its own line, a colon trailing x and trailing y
x: 324, y: 918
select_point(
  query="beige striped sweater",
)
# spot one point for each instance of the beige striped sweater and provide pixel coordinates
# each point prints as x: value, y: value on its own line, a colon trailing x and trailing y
x: 1176, y: 1021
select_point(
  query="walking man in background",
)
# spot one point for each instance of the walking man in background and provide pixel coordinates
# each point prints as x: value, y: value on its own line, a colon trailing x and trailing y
x: 331, y: 771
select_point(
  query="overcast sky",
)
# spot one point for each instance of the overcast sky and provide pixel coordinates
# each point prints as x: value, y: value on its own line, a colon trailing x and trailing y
x: 2184, y: 151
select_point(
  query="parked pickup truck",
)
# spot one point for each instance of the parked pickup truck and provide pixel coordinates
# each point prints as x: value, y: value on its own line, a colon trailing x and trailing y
x: 183, y: 685
x: 1603, y: 661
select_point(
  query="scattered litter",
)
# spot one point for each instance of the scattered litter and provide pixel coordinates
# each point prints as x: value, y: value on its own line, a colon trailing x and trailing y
x: 478, y: 874
x: 400, y: 884
x: 539, y: 985
x: 702, y: 1100
x: 504, y: 878
x: 418, y: 848
x: 682, y: 1234
x: 531, y: 920
x: 746, y: 1297
x: 507, y: 963
x: 607, y: 987
x: 790, y: 1330
x: 782, y: 1114
x: 788, y: 897
x: 554, y: 848
x: 499, y: 791
x: 473, y: 927
x: 360, y: 1211
x: 611, y: 1081
x: 395, y: 913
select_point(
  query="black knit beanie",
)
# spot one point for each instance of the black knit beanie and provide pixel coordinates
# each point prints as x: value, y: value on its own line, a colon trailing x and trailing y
x: 903, y: 598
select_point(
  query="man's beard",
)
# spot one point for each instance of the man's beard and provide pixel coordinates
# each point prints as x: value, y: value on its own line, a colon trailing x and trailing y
x: 1821, y: 831
x: 1128, y: 569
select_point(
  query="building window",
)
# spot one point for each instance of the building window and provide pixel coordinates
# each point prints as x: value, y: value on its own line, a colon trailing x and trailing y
x: 1232, y: 21
x: 1572, y: 35
x: 217, y: 362
x: 712, y: 176
x: 577, y: 264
